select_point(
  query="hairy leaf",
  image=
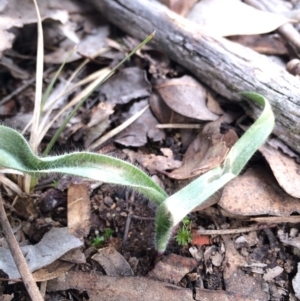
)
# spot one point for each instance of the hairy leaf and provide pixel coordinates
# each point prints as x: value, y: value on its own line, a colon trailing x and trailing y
x: 16, y: 154
x: 177, y: 206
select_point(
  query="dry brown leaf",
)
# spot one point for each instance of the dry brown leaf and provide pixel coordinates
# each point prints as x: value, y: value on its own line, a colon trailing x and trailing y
x: 172, y: 268
x: 52, y: 271
x: 98, y: 123
x: 285, y: 169
x: 207, y: 151
x: 152, y: 162
x: 79, y: 210
x: 270, y: 44
x: 113, y: 263
x: 233, y: 17
x: 186, y: 96
x: 256, y: 192
x: 163, y: 113
x: 6, y: 297
x: 14, y: 13
x: 181, y: 7
x: 213, y: 105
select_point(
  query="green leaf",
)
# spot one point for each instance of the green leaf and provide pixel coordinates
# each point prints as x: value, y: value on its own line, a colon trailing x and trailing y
x: 177, y: 206
x: 16, y: 154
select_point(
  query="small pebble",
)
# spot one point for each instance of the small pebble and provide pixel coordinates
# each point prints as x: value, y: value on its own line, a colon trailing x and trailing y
x: 108, y: 201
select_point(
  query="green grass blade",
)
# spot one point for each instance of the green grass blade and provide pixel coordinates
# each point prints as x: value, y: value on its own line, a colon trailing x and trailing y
x: 177, y: 206
x: 16, y: 154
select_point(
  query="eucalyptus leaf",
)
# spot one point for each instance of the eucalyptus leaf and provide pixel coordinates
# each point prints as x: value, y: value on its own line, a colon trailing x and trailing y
x: 177, y: 206
x: 16, y: 154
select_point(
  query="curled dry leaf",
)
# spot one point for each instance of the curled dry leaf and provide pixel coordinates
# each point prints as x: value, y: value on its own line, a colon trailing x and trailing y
x: 256, y: 192
x: 98, y: 123
x: 207, y: 151
x: 186, y: 96
x: 113, y: 263
x: 285, y: 169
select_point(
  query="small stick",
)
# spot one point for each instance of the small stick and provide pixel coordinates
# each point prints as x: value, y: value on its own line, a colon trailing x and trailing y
x: 18, y: 256
x: 128, y: 221
x: 143, y: 218
x: 233, y: 231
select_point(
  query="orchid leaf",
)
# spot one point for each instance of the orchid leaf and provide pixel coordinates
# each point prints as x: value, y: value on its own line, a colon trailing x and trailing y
x: 177, y: 206
x: 16, y: 154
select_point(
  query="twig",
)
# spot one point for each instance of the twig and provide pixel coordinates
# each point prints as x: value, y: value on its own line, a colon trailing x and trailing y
x: 143, y: 218
x: 128, y: 221
x: 233, y: 231
x: 18, y: 256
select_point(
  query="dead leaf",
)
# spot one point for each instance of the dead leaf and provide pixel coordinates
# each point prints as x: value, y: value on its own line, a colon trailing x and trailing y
x: 290, y: 241
x: 163, y: 113
x: 207, y: 151
x: 74, y: 256
x: 145, y: 126
x: 256, y: 192
x: 154, y: 163
x: 270, y: 44
x: 185, y: 96
x: 233, y: 17
x: 172, y: 268
x: 48, y: 273
x: 101, y: 287
x: 272, y: 273
x: 17, y: 14
x: 285, y: 169
x: 126, y: 85
x: 113, y: 263
x: 6, y: 297
x: 87, y: 45
x: 53, y: 245
x: 98, y: 123
x: 278, y: 144
x: 213, y: 105
x: 79, y: 210
x: 181, y: 7
x: 14, y: 69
